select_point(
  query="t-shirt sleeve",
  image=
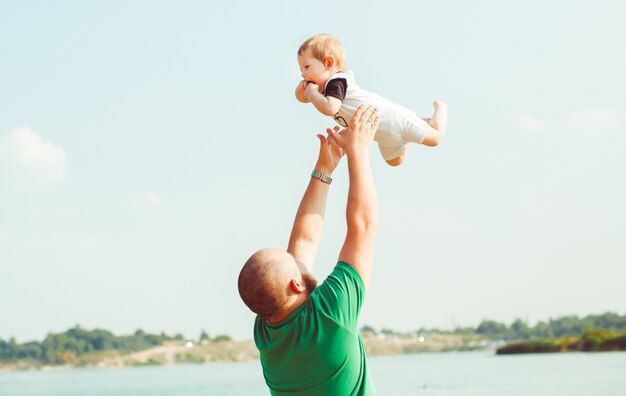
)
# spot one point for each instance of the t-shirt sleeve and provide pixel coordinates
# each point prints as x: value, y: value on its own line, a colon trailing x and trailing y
x: 341, y: 296
x: 337, y: 88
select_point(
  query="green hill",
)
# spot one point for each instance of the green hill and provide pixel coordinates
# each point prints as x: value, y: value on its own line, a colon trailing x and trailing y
x: 593, y: 340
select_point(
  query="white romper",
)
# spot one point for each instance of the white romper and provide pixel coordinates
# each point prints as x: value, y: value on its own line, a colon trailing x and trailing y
x: 398, y: 125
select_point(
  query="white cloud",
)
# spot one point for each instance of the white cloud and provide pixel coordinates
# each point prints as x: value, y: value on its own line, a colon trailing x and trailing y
x: 243, y: 194
x: 532, y: 124
x: 544, y: 205
x: 4, y: 237
x: 58, y: 242
x: 595, y: 121
x: 27, y: 154
x: 154, y: 201
x: 592, y: 122
x: 150, y: 201
x: 78, y: 242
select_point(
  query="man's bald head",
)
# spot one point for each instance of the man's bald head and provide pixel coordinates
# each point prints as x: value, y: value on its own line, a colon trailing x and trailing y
x: 265, y: 281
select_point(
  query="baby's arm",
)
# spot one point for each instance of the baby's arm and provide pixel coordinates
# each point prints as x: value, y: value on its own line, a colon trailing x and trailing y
x: 326, y: 105
x: 300, y: 92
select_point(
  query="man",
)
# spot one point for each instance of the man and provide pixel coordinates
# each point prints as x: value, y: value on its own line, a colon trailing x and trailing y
x: 307, y: 336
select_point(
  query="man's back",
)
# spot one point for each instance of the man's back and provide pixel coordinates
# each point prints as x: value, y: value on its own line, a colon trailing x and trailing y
x: 317, y: 349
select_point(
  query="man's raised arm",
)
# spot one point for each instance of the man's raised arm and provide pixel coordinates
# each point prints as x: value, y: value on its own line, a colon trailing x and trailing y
x: 362, y: 207
x: 309, y: 221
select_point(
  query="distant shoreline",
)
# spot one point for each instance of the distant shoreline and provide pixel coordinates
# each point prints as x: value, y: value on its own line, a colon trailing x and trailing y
x: 184, y: 352
x: 181, y: 352
x: 80, y: 347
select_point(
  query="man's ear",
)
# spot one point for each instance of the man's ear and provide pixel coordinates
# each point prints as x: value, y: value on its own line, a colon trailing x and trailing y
x: 329, y: 62
x: 296, y: 286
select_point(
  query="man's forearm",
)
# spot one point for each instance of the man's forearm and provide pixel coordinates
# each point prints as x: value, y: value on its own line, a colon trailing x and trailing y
x: 362, y: 207
x: 309, y: 222
x: 307, y: 227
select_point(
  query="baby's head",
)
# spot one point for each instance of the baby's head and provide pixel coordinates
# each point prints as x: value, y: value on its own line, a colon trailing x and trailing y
x: 320, y: 57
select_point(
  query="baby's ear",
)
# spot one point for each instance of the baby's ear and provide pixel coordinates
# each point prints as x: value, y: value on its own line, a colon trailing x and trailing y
x: 329, y: 62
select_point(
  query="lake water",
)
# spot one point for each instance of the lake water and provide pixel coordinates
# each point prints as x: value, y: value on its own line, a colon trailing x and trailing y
x: 436, y: 374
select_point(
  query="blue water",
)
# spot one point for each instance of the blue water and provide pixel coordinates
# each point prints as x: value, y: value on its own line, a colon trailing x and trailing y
x: 454, y: 373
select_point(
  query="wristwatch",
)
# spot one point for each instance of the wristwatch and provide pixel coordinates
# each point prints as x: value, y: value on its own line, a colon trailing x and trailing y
x: 321, y: 176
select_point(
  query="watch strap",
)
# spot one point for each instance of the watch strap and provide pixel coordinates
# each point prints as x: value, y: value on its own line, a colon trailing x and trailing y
x: 321, y: 176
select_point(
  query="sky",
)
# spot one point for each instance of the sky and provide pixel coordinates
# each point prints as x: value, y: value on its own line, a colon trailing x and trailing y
x: 148, y: 148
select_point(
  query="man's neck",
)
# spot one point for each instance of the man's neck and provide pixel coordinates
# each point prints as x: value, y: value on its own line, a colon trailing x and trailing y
x: 291, y: 306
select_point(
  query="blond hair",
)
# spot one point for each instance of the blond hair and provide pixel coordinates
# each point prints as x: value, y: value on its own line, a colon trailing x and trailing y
x: 323, y: 45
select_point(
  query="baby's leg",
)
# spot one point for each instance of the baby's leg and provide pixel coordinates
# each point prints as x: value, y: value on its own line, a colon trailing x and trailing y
x: 392, y: 153
x: 438, y: 124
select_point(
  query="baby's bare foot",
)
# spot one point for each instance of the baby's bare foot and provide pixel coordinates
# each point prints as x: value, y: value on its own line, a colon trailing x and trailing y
x: 439, y: 119
x: 437, y: 104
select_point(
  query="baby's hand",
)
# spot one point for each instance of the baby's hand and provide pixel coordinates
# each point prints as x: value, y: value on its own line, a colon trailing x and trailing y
x: 301, y: 86
x: 310, y: 89
x: 300, y: 92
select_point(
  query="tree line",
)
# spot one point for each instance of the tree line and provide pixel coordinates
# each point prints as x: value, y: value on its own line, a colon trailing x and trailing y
x: 564, y: 326
x: 554, y: 328
x: 70, y: 346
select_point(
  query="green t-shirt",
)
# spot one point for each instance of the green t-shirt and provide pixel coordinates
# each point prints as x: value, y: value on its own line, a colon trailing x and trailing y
x: 317, y: 349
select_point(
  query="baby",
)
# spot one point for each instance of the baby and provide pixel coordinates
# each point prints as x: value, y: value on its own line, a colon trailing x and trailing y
x: 334, y: 92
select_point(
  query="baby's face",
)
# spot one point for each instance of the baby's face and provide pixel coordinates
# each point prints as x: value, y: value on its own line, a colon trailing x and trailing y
x: 313, y: 69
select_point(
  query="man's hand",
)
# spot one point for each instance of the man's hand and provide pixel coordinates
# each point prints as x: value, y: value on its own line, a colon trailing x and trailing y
x: 358, y: 136
x: 330, y: 154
